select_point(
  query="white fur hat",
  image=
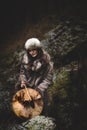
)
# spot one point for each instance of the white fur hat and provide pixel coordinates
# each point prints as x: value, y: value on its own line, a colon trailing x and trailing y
x: 32, y: 43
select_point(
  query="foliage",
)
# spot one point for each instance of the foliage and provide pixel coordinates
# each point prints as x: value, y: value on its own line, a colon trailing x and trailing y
x: 61, y: 107
x: 60, y: 83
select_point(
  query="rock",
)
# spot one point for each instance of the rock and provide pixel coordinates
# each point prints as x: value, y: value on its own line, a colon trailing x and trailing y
x: 36, y: 123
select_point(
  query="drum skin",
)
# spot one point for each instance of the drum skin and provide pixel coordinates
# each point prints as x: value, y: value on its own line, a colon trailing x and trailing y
x: 27, y: 103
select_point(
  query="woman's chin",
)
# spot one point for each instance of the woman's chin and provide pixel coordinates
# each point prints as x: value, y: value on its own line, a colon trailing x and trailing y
x: 34, y: 55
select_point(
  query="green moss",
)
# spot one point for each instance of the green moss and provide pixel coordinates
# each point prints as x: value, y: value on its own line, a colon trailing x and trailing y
x: 61, y: 82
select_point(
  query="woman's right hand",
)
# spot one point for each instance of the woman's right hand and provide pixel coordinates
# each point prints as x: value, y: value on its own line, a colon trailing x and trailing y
x: 23, y: 84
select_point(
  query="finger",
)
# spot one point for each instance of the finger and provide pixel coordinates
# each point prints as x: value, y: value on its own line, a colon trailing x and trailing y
x: 23, y: 85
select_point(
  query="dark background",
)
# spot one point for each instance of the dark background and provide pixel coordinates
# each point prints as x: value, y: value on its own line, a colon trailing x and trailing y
x: 15, y: 13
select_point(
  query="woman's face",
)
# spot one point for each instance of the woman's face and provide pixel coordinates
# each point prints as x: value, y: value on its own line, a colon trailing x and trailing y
x: 33, y: 52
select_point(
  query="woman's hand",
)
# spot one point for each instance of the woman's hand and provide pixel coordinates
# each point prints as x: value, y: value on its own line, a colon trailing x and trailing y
x: 23, y: 84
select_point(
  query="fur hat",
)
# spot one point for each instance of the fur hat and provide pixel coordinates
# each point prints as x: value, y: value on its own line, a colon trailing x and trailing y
x: 32, y: 43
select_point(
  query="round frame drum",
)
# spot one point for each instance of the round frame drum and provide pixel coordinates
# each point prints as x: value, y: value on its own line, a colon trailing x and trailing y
x: 27, y: 103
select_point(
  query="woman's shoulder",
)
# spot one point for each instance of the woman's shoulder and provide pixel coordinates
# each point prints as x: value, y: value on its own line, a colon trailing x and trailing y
x: 46, y: 55
x: 25, y: 58
x: 48, y: 58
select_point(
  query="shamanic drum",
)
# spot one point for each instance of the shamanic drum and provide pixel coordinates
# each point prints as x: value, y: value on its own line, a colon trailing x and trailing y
x: 27, y: 103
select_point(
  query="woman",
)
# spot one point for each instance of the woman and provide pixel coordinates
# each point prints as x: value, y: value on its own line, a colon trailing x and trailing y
x: 36, y: 69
